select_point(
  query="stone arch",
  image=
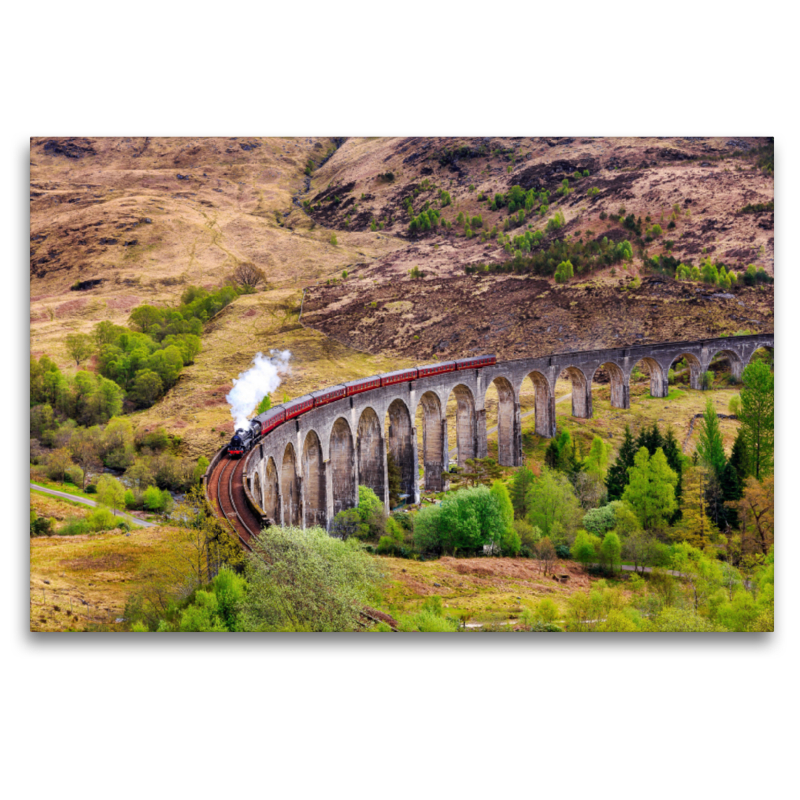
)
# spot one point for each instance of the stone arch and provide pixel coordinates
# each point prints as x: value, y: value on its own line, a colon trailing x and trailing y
x: 507, y: 421
x: 400, y: 443
x: 314, y: 495
x: 659, y: 386
x: 544, y: 404
x: 581, y: 392
x: 466, y: 429
x: 695, y: 368
x: 342, y: 465
x: 434, y: 440
x: 272, y: 496
x: 290, y: 488
x: 618, y: 382
x: 768, y: 347
x: 735, y: 362
x: 370, y: 453
x: 255, y: 489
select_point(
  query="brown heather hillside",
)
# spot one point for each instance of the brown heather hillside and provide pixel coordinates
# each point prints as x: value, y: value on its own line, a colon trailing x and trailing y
x: 119, y: 222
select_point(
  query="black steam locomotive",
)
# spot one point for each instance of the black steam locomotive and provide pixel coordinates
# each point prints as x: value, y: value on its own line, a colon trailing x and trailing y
x: 244, y: 438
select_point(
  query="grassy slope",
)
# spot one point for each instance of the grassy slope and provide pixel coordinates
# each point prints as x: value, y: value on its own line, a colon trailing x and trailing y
x: 479, y: 590
x: 78, y: 582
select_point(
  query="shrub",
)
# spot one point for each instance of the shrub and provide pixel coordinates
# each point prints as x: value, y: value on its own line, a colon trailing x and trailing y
x: 333, y: 240
x: 564, y: 272
x: 303, y: 579
x: 707, y: 380
x: 101, y: 519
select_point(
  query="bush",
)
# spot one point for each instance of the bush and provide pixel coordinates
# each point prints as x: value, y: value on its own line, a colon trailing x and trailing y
x: 40, y: 526
x: 303, y: 579
x: 74, y: 526
x: 707, y: 380
x: 333, y: 240
x: 101, y: 519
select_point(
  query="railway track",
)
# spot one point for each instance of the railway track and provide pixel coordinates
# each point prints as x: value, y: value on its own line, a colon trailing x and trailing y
x: 226, y: 491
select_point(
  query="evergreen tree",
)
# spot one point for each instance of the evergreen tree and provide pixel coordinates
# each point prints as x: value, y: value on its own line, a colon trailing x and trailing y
x: 520, y: 483
x: 758, y: 416
x: 650, y: 438
x: 617, y: 478
x: 709, y: 445
x: 551, y: 455
x: 740, y: 457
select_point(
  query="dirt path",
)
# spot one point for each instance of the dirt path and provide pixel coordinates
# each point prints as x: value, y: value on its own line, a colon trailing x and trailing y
x: 128, y: 517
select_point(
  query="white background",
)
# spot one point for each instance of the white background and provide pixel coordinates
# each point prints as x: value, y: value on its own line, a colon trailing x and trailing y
x: 389, y: 716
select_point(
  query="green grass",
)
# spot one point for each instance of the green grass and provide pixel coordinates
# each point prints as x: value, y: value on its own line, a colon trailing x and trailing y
x: 68, y: 487
x: 63, y: 500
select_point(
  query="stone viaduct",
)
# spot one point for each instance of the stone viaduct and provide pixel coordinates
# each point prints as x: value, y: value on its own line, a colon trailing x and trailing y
x: 307, y: 470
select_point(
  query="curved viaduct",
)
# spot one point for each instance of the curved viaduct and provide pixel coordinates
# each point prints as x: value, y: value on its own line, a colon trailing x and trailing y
x: 307, y: 470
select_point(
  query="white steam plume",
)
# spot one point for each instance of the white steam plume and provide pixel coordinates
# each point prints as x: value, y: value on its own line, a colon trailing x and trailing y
x: 251, y: 386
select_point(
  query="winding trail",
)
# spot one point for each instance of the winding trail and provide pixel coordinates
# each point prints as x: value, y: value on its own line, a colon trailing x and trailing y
x: 128, y: 517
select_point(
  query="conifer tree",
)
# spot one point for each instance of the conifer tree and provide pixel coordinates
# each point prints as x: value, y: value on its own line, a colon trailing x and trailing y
x: 740, y: 458
x: 709, y: 445
x: 617, y: 478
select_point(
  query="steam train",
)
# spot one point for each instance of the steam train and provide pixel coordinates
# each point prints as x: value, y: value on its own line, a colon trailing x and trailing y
x: 244, y: 438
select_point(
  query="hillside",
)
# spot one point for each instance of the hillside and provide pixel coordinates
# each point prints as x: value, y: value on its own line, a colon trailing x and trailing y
x: 120, y: 222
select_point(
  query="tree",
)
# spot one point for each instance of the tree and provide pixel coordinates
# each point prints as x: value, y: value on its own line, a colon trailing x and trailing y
x: 464, y: 522
x: 709, y: 444
x: 740, y: 457
x: 116, y: 446
x: 520, y: 484
x: 651, y: 489
x: 584, y: 548
x: 596, y: 463
x: 553, y: 505
x: 546, y: 553
x: 110, y: 492
x: 264, y: 405
x: 395, y: 479
x: 306, y: 580
x: 600, y: 520
x: 758, y: 416
x: 756, y: 511
x: 610, y: 551
x: 58, y: 462
x: 617, y: 478
x: 146, y: 318
x: 147, y: 388
x: 84, y: 445
x: 479, y: 471
x: 80, y: 346
x: 247, y: 275
x: 509, y: 539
